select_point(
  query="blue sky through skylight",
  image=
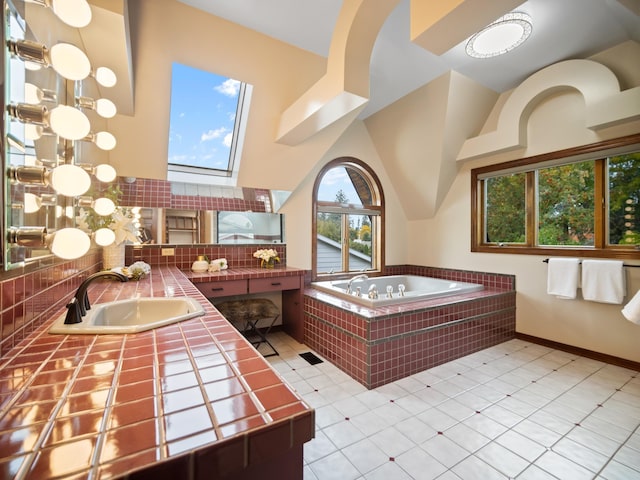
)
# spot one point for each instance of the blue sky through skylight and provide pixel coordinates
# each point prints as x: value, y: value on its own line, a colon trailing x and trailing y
x: 203, y: 112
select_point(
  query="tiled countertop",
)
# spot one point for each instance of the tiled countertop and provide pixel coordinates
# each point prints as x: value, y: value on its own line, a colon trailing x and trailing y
x: 190, y: 397
x: 243, y: 273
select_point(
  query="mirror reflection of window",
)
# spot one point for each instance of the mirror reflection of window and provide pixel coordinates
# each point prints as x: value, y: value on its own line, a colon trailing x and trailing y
x: 250, y: 227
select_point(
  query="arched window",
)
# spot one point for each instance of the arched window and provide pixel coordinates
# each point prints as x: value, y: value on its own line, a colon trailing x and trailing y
x: 348, y: 219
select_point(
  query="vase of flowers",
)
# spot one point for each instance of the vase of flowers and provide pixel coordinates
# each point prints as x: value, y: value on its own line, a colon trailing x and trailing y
x: 268, y: 257
x: 121, y: 222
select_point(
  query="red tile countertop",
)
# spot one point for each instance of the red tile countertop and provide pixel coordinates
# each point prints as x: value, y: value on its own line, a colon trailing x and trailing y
x: 243, y: 273
x: 193, y: 398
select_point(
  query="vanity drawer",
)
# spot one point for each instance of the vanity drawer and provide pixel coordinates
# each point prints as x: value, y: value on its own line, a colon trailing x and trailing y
x: 223, y: 288
x: 274, y: 284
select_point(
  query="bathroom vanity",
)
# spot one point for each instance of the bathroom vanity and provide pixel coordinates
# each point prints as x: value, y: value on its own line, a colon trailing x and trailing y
x: 244, y: 281
x: 188, y: 400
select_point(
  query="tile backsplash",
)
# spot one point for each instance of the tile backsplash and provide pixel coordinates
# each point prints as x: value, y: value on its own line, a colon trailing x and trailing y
x: 30, y: 295
x: 29, y: 299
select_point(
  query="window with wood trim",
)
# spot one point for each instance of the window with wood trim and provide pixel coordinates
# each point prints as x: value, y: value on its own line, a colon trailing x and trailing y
x: 583, y: 201
x: 348, y: 220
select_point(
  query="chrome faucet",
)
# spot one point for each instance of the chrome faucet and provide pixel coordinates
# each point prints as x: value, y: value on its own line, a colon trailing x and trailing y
x: 79, y: 304
x: 362, y: 276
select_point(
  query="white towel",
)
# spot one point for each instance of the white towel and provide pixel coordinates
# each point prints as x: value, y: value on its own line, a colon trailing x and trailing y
x: 562, y: 277
x: 218, y: 264
x: 603, y: 281
x: 631, y: 311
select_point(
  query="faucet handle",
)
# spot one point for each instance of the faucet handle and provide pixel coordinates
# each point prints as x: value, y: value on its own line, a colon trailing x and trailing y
x: 73, y: 312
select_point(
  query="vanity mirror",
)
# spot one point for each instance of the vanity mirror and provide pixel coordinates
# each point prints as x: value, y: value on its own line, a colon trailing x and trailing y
x: 191, y: 227
x: 53, y: 122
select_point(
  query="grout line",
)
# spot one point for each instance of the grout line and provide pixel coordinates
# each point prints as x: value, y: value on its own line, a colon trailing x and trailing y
x: 567, y: 361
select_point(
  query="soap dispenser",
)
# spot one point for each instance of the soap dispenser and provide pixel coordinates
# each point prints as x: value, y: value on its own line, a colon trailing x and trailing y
x: 200, y: 265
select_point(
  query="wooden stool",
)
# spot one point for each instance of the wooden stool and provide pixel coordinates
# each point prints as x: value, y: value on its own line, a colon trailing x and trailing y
x: 245, y: 315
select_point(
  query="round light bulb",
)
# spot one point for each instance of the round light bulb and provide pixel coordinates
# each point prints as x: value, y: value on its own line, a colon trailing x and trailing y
x: 69, y: 122
x: 75, y: 13
x: 32, y: 132
x: 106, y: 77
x: 104, y: 237
x: 105, y: 140
x: 32, y: 203
x: 32, y: 66
x: 70, y: 180
x: 104, y: 206
x: 105, y: 173
x: 32, y: 94
x: 106, y: 108
x: 69, y: 61
x: 70, y: 243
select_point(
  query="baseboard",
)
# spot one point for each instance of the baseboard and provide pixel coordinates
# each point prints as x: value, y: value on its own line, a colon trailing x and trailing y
x: 602, y: 357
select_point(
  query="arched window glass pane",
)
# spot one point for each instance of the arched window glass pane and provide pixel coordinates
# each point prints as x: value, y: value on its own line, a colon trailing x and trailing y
x: 345, y: 185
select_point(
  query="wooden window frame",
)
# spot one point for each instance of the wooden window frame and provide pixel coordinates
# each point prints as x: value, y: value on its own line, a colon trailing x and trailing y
x: 376, y: 208
x: 596, y: 152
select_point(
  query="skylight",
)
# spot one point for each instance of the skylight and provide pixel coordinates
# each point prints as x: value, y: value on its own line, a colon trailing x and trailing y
x: 206, y: 123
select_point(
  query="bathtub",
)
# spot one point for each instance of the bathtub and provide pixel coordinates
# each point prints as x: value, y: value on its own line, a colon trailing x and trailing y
x: 417, y: 288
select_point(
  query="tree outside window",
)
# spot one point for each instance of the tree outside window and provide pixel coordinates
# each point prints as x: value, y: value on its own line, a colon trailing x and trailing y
x: 348, y: 219
x: 553, y: 202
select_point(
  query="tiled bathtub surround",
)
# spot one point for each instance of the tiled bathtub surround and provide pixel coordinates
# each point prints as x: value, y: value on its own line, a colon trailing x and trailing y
x: 191, y: 400
x: 378, y: 346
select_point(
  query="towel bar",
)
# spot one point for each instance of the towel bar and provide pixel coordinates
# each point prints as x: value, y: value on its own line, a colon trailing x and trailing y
x: 546, y: 260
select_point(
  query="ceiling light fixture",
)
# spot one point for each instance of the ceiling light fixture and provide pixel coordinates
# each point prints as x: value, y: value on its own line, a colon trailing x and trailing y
x: 501, y: 36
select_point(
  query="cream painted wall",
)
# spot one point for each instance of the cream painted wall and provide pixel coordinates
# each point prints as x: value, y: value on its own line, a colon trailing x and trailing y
x: 556, y: 123
x: 278, y: 72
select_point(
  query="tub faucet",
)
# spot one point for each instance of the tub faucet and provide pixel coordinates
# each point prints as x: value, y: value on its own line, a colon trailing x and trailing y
x: 78, y: 306
x: 362, y: 276
x: 373, y: 291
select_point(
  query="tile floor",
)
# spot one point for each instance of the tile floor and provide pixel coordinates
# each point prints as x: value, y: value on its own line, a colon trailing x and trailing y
x: 516, y: 410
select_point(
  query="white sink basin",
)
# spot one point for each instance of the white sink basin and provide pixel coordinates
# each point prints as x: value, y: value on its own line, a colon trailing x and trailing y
x: 131, y: 316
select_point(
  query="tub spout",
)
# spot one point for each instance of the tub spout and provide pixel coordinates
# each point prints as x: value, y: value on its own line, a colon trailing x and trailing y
x: 362, y: 276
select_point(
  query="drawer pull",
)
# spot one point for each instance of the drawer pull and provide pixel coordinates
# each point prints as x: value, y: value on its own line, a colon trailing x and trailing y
x: 217, y: 289
x: 275, y: 284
